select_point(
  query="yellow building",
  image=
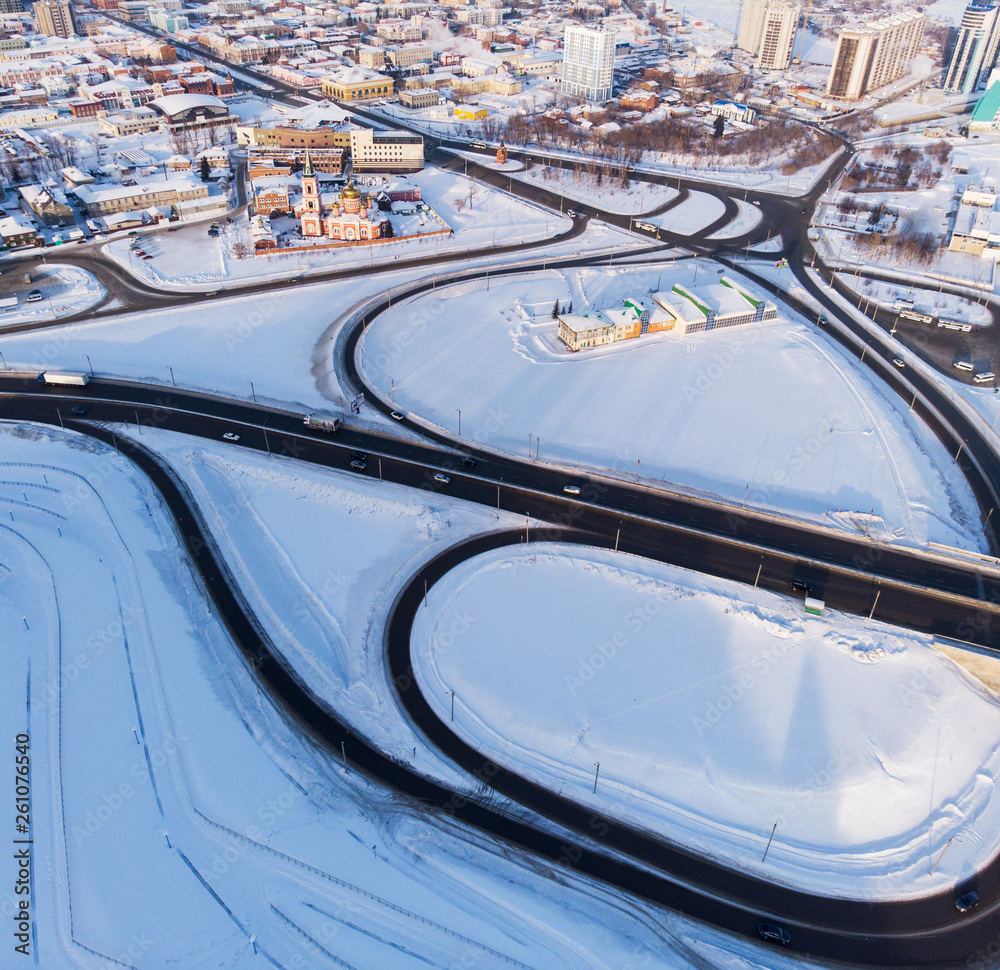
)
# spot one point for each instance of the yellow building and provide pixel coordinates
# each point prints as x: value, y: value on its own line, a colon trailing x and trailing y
x: 470, y: 112
x: 357, y: 84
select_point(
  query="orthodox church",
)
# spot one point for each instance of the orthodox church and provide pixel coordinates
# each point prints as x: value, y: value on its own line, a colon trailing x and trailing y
x: 351, y: 217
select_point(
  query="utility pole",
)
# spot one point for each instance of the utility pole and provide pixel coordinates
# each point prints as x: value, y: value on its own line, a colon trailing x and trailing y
x: 452, y: 705
x: 877, y: 595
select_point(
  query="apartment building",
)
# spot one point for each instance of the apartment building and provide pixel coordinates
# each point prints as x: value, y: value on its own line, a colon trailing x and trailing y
x: 53, y: 17
x: 975, y: 52
x: 767, y: 30
x: 588, y: 62
x: 869, y: 57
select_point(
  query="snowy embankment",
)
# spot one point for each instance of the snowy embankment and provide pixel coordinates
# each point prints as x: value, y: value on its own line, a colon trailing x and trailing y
x: 607, y: 194
x: 717, y: 714
x: 167, y: 790
x: 774, y: 415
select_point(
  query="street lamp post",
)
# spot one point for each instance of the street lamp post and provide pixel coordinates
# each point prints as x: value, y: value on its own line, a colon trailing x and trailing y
x: 459, y: 422
x: 89, y: 364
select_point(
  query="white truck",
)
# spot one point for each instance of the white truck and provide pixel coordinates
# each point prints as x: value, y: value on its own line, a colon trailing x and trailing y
x: 319, y: 422
x: 56, y: 377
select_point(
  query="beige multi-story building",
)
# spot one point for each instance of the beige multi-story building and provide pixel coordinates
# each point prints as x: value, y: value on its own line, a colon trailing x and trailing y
x: 386, y: 151
x: 53, y: 17
x: 102, y: 200
x: 767, y: 30
x: 410, y: 54
x: 877, y: 54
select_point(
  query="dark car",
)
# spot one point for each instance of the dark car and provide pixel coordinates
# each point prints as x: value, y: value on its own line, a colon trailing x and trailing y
x: 799, y: 586
x: 969, y: 901
x: 79, y: 410
x: 358, y: 455
x: 469, y: 462
x: 774, y: 933
x: 358, y: 465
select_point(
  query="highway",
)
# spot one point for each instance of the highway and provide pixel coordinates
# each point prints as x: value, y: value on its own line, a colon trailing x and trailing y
x: 925, y: 932
x: 913, y: 588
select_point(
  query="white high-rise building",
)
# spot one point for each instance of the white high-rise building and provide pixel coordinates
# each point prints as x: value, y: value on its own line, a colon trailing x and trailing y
x: 767, y: 30
x: 975, y: 52
x: 877, y: 54
x: 588, y: 62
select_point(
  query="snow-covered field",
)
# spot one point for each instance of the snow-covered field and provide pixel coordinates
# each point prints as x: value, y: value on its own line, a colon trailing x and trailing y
x: 692, y: 215
x: 218, y: 346
x: 65, y: 290
x: 774, y: 414
x: 747, y: 220
x: 715, y: 712
x: 609, y: 195
x: 177, y: 818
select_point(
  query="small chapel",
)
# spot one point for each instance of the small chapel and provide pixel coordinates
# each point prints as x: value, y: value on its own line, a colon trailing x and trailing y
x: 352, y: 217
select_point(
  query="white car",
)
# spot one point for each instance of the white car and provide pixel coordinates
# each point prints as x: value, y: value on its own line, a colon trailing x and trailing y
x: 572, y: 489
x: 443, y: 479
x: 231, y: 436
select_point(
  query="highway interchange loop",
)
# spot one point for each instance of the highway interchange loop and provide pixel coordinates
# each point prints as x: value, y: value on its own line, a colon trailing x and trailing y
x: 915, y: 589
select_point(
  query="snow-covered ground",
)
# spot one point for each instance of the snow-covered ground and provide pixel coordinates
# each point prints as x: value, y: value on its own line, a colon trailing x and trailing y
x: 747, y: 220
x: 218, y: 347
x: 716, y: 712
x: 945, y: 306
x: 65, y: 290
x: 608, y: 196
x: 692, y: 215
x: 178, y: 819
x: 189, y: 256
x: 776, y: 414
